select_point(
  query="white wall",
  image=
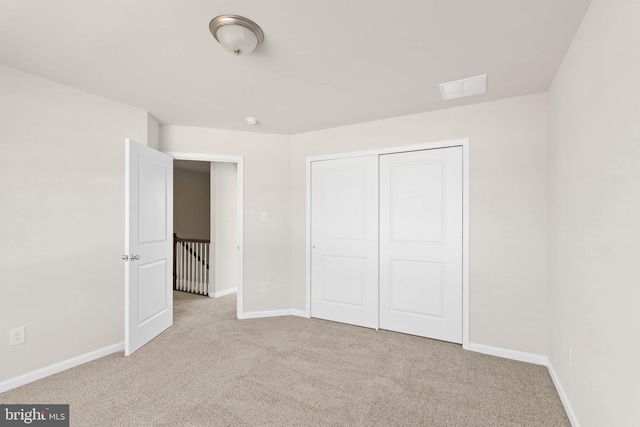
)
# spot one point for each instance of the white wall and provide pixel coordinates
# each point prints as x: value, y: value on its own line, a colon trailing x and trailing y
x: 267, y: 187
x: 508, y: 149
x: 153, y: 132
x: 191, y: 206
x: 62, y: 219
x: 224, y: 217
x: 594, y: 207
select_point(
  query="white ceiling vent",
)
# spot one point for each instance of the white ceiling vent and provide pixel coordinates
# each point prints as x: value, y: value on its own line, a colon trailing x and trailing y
x: 465, y: 87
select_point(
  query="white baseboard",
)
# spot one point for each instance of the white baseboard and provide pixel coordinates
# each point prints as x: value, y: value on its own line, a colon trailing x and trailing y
x: 563, y: 397
x: 536, y: 359
x: 223, y: 293
x: 300, y: 313
x: 59, y: 367
x: 274, y: 313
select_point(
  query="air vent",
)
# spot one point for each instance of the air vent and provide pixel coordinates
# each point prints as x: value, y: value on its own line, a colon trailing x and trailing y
x: 465, y: 87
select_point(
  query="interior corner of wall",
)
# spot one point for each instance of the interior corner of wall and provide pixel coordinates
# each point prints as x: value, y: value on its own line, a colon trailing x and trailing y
x: 153, y: 132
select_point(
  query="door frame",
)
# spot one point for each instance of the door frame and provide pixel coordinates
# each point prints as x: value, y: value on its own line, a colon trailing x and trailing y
x: 464, y: 143
x: 239, y: 161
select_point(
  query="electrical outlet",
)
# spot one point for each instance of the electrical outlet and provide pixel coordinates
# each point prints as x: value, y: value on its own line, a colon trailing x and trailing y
x: 17, y: 336
x: 263, y: 287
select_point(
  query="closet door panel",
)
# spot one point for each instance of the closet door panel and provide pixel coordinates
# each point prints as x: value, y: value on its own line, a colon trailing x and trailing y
x: 344, y: 240
x: 421, y: 243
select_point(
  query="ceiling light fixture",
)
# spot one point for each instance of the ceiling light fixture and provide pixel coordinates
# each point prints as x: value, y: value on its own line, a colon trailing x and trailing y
x: 235, y: 33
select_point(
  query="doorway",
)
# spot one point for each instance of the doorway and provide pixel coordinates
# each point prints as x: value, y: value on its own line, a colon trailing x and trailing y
x: 192, y: 246
x: 226, y: 222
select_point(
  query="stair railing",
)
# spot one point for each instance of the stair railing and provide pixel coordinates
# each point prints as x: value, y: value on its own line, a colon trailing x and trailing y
x: 191, y: 265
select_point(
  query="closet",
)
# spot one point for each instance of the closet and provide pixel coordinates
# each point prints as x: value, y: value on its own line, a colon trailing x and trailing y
x: 386, y: 241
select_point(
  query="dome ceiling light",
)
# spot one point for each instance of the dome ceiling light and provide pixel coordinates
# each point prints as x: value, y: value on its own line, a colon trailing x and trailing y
x: 235, y: 33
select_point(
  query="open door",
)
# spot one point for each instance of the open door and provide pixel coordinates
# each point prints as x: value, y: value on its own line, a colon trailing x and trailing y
x: 148, y: 244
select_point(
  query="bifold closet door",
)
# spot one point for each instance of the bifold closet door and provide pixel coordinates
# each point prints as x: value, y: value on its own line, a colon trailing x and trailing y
x: 344, y: 240
x: 421, y: 243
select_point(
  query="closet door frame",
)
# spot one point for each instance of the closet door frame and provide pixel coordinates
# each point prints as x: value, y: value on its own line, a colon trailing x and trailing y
x: 464, y: 143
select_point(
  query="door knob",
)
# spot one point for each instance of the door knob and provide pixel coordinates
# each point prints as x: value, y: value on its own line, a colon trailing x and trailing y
x: 135, y: 257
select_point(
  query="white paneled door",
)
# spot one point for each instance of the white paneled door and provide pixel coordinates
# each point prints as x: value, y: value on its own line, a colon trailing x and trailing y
x: 148, y: 244
x: 421, y: 243
x: 344, y: 240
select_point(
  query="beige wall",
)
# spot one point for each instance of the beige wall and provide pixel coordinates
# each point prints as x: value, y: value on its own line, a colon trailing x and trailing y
x: 508, y: 149
x: 508, y: 207
x: 153, y: 132
x: 594, y: 207
x: 191, y: 207
x: 224, y: 208
x: 61, y: 220
x: 267, y: 187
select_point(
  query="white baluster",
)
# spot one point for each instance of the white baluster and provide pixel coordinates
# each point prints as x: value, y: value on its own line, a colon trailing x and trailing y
x: 188, y: 257
x: 199, y: 268
x: 181, y: 267
x: 203, y: 265
x: 194, y: 264
x: 193, y: 269
x: 206, y: 272
x: 178, y: 265
x: 183, y: 272
x: 186, y: 268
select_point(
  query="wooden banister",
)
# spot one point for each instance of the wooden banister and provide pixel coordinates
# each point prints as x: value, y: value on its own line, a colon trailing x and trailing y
x: 180, y: 239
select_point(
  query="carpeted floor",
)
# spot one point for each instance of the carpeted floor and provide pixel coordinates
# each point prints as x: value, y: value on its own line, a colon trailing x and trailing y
x: 210, y: 369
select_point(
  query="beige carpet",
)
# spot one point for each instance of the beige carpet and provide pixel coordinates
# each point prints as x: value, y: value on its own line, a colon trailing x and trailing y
x: 210, y: 369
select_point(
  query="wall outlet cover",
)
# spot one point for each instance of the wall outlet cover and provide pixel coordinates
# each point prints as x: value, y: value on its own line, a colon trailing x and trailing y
x: 17, y: 336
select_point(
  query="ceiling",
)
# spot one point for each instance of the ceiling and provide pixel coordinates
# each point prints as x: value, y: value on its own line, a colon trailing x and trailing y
x: 323, y: 63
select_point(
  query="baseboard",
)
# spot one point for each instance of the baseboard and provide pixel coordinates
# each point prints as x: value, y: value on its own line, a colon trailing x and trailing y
x: 300, y: 313
x: 59, y: 367
x: 563, y: 397
x: 536, y: 359
x: 223, y: 293
x: 274, y: 313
